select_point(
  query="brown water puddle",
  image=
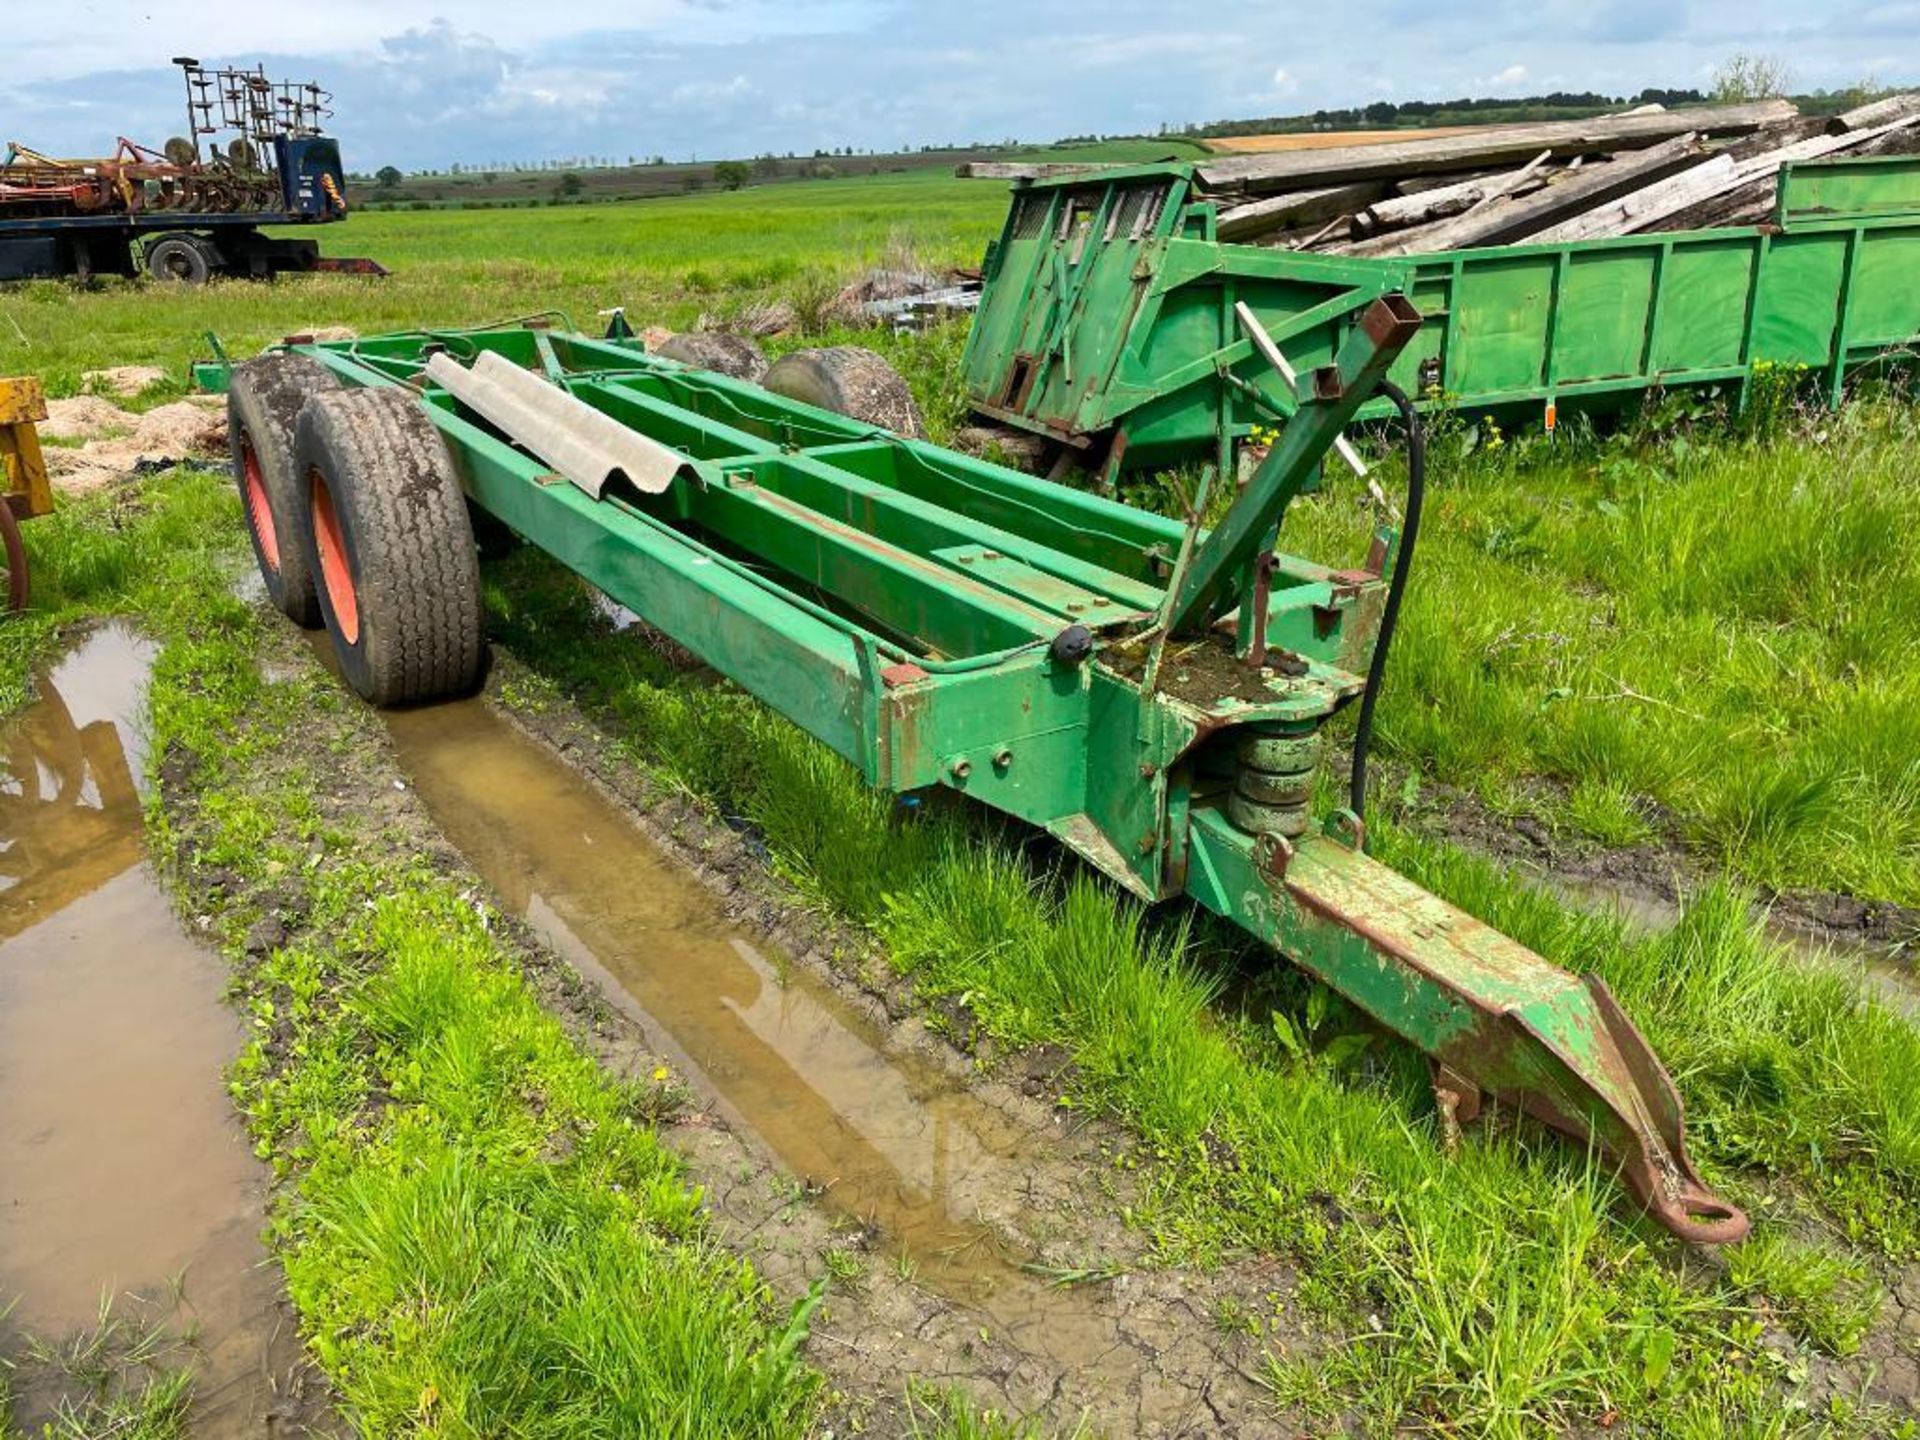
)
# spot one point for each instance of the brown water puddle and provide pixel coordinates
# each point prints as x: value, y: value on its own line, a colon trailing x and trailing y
x: 123, y: 1170
x: 895, y: 1142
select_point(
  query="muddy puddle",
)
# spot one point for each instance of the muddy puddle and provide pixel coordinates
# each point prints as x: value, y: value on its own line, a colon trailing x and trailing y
x: 888, y: 1141
x: 1884, y: 976
x: 124, y: 1173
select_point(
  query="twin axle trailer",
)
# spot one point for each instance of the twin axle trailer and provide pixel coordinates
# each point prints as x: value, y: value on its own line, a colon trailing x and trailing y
x: 1153, y: 694
x: 1115, y: 321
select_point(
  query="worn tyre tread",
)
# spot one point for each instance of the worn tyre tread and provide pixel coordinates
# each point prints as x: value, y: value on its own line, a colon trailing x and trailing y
x: 417, y: 577
x: 264, y: 397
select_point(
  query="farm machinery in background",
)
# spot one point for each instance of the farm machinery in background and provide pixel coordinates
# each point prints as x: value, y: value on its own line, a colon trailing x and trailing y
x: 253, y: 156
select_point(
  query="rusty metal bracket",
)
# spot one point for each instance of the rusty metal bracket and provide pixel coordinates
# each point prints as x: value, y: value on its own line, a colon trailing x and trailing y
x: 1346, y: 828
x: 1272, y: 856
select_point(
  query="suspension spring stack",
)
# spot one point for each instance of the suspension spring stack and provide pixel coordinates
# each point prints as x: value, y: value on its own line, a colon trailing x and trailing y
x: 1273, y: 782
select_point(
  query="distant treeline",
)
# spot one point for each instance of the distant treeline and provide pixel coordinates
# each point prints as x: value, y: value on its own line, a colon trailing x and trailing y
x: 1432, y: 114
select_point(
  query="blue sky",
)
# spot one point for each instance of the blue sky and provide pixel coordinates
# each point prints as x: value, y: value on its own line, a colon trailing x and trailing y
x: 424, y: 83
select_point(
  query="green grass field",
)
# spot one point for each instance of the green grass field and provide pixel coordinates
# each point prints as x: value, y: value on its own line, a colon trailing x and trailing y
x: 1703, y: 638
x: 666, y: 261
x: 1690, y: 630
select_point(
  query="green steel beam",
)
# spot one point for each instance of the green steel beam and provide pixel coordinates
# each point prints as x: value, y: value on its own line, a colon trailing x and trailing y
x: 1490, y: 1012
x: 1336, y: 394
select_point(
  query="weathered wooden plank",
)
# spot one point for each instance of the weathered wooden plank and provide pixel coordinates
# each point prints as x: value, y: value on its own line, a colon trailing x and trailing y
x: 1021, y: 170
x: 1503, y: 188
x: 1505, y: 221
x: 1297, y: 207
x: 1720, y: 176
x: 1880, y: 112
x: 1441, y: 202
x: 1481, y: 149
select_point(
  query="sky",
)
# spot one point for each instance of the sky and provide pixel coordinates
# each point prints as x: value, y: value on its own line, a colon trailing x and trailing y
x: 424, y: 83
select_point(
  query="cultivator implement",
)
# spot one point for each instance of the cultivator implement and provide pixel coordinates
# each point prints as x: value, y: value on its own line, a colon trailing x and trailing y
x: 1151, y: 692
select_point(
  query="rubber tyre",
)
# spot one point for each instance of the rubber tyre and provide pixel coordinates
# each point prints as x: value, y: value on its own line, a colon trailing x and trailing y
x: 391, y: 546
x: 733, y: 355
x: 180, y: 259
x: 264, y: 398
x: 850, y: 381
x: 16, y: 590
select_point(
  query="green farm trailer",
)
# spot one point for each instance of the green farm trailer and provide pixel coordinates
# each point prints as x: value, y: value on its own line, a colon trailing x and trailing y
x: 1115, y: 322
x: 1151, y: 693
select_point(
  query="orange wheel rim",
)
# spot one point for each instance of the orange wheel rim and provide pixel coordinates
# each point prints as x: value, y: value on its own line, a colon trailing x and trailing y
x: 336, y: 574
x: 259, y: 510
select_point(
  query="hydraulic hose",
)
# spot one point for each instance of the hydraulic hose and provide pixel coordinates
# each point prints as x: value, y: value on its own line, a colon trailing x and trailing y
x: 1396, y: 589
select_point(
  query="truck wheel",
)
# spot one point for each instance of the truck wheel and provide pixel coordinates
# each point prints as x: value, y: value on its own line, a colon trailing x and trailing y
x: 263, y: 407
x: 733, y: 355
x: 13, y: 553
x: 391, y: 545
x: 180, y: 259
x: 850, y: 381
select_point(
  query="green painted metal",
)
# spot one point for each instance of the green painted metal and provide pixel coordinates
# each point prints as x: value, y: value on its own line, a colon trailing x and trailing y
x: 1107, y: 319
x: 938, y: 620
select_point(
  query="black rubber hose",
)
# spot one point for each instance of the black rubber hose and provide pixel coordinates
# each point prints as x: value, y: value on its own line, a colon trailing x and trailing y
x: 1396, y: 590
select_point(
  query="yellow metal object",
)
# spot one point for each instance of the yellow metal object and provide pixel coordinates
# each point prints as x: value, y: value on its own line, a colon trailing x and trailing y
x: 23, y: 405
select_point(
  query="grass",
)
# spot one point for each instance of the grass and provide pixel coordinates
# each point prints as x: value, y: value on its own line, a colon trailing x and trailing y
x: 1669, y: 637
x: 1709, y: 634
x: 666, y: 261
x: 120, y: 1377
x: 1513, y: 1295
x: 1670, y: 629
x: 479, y: 1228
x: 123, y: 554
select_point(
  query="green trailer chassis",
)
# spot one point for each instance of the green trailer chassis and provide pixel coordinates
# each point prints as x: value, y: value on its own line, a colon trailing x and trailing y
x: 1151, y: 694
x: 1108, y: 317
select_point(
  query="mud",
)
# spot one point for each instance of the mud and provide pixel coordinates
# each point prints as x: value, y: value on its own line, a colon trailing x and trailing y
x: 1882, y: 974
x: 125, y: 1177
x: 920, y: 1167
x: 1886, y: 1371
x: 919, y: 1189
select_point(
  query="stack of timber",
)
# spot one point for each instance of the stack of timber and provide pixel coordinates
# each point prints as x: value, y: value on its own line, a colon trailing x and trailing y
x: 1644, y: 171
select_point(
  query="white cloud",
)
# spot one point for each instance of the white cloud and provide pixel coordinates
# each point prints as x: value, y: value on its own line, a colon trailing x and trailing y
x: 506, y: 81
